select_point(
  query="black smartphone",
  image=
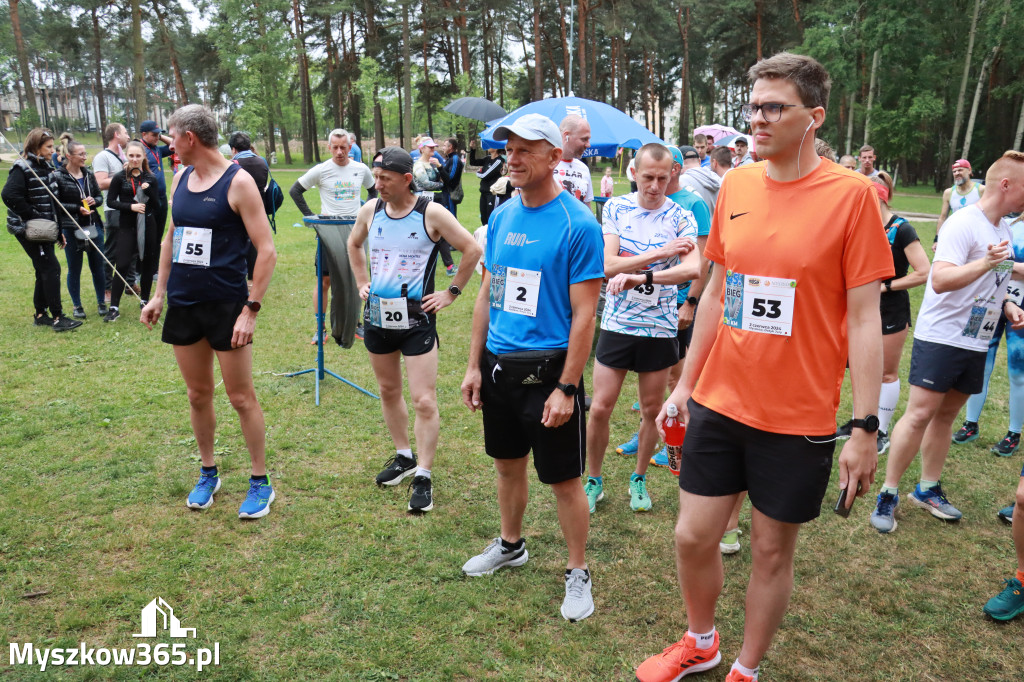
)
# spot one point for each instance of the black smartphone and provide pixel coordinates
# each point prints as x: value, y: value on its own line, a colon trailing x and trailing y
x: 841, y: 502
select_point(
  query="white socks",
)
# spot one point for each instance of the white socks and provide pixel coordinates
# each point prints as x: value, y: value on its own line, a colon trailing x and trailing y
x: 704, y: 641
x: 888, y: 398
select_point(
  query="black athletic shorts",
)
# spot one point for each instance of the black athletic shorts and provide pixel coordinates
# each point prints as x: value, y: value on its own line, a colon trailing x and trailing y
x: 786, y: 476
x: 941, y: 368
x: 636, y: 353
x: 413, y: 341
x: 512, y: 427
x: 895, y: 312
x: 326, y: 270
x: 213, y: 320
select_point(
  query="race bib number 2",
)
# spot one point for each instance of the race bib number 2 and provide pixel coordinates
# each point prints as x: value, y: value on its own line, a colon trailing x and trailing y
x: 522, y: 289
x: 759, y: 304
x: 192, y: 245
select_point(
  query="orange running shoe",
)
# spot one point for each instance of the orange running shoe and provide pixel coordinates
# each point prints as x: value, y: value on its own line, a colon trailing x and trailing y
x: 737, y: 676
x: 678, y: 661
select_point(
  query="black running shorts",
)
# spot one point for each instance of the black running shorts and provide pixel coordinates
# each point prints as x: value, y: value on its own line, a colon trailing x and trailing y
x: 786, y: 476
x: 938, y: 367
x: 512, y: 426
x: 895, y: 313
x: 417, y: 340
x: 636, y: 353
x: 213, y: 320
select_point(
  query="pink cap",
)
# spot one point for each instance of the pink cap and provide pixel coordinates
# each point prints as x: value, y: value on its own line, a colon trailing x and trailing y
x: 427, y: 142
x: 962, y: 163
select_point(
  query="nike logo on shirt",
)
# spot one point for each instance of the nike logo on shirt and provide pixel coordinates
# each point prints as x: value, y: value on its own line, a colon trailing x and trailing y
x: 734, y: 216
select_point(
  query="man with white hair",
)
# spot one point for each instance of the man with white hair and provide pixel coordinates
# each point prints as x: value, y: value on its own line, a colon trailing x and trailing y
x: 339, y: 180
x: 533, y: 323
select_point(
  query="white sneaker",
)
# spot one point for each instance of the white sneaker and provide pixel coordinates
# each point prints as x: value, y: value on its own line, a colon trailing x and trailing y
x: 495, y: 557
x: 578, y: 603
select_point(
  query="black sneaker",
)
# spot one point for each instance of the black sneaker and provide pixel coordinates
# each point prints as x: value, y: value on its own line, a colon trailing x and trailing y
x: 422, y: 498
x: 883, y: 442
x: 43, y: 320
x: 78, y: 313
x: 101, y: 309
x: 112, y: 314
x: 1008, y: 445
x: 396, y: 469
x: 142, y: 303
x: 63, y: 323
x: 968, y: 432
x: 845, y: 431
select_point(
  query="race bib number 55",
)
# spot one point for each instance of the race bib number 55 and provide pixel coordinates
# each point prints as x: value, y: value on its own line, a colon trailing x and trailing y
x: 192, y: 245
x: 759, y: 304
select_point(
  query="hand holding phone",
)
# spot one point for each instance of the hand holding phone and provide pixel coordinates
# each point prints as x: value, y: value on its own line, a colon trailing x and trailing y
x: 841, y: 507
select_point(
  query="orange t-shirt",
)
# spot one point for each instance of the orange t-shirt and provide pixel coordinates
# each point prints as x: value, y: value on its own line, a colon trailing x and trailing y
x: 791, y: 250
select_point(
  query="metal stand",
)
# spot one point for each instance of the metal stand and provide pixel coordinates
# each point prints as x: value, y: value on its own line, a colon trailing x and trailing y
x: 319, y: 372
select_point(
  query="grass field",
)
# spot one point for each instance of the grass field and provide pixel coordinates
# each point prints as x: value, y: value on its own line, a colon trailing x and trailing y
x: 339, y: 583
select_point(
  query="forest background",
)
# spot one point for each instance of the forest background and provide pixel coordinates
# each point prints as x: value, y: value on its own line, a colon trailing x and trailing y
x: 924, y: 81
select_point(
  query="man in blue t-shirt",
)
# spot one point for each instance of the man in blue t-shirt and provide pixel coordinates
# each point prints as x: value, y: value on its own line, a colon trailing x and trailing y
x: 533, y: 323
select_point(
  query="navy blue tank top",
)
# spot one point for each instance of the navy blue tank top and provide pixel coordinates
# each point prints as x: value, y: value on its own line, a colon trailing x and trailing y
x: 209, y: 245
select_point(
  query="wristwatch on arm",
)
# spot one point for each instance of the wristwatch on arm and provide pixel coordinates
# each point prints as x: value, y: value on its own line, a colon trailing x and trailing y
x: 568, y: 389
x: 254, y: 306
x: 868, y: 423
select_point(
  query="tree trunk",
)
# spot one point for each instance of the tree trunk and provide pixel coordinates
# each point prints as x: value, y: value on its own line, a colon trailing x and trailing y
x: 304, y: 95
x: 138, y: 65
x: 581, y: 52
x: 426, y: 72
x: 19, y: 42
x: 1020, y: 126
x: 538, y: 70
x: 981, y: 80
x: 406, y: 78
x: 566, y: 80
x: 179, y: 82
x: 684, y: 33
x: 97, y: 60
x: 499, y: 59
x: 285, y: 147
x: 849, y: 123
x: 333, y: 86
x: 871, y: 94
x: 759, y: 9
x: 958, y: 120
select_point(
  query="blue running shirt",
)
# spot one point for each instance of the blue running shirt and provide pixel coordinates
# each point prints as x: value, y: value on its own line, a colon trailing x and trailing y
x: 533, y: 256
x: 641, y: 230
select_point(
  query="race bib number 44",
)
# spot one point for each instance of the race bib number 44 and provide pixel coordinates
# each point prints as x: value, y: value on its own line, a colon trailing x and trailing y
x: 192, y: 245
x: 759, y: 304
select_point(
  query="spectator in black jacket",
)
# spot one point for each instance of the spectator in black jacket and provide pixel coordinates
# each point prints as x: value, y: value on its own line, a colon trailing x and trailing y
x: 27, y: 197
x: 490, y: 171
x: 256, y: 166
x: 80, y: 195
x: 134, y: 192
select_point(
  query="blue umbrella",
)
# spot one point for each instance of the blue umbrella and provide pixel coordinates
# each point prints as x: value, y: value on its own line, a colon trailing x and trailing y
x: 609, y: 127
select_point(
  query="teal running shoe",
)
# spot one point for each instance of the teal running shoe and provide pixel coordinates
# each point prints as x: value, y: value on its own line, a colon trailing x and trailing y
x: 630, y: 447
x: 639, y: 500
x: 594, y: 491
x: 1009, y: 603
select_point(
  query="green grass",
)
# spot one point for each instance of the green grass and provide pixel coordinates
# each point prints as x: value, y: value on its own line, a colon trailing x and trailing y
x: 339, y: 583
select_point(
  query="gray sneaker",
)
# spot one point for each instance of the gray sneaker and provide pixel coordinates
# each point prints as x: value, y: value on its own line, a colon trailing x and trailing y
x: 883, y: 519
x: 495, y: 557
x: 578, y: 603
x: 883, y: 441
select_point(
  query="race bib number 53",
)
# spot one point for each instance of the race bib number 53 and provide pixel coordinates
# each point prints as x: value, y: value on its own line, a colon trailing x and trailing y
x: 759, y: 304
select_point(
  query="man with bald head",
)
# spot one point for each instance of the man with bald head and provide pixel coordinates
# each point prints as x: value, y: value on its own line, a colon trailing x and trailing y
x: 571, y: 173
x: 533, y: 323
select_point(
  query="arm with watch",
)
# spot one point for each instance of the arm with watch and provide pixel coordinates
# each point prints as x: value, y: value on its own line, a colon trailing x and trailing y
x: 858, y: 459
x: 441, y: 224
x: 583, y: 297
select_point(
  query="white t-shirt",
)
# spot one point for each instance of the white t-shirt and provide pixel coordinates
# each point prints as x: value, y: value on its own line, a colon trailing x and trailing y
x: 961, y: 318
x: 107, y: 162
x: 574, y: 176
x: 339, y: 185
x: 648, y: 312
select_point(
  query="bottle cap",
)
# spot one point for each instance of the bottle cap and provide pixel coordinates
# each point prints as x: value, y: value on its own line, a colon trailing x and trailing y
x: 671, y: 410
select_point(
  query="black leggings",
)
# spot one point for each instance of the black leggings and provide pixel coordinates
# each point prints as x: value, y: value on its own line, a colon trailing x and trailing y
x: 486, y: 206
x: 127, y: 247
x: 47, y: 267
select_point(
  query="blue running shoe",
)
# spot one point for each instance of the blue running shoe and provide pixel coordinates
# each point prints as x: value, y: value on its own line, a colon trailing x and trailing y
x: 934, y: 500
x: 257, y: 501
x: 636, y: 406
x: 630, y: 446
x: 661, y: 459
x: 201, y: 496
x: 1006, y: 514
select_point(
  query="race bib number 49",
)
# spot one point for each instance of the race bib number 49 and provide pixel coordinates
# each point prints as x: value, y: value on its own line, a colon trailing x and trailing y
x: 192, y: 245
x: 759, y: 304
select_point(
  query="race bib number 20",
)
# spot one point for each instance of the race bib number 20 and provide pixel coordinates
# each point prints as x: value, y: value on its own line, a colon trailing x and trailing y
x: 759, y: 304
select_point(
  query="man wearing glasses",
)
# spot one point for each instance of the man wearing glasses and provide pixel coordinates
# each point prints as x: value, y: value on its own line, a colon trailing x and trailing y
x: 760, y: 387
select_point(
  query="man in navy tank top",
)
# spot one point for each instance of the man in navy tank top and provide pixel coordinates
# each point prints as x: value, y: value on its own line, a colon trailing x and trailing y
x: 404, y: 233
x: 215, y: 208
x: 533, y: 323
